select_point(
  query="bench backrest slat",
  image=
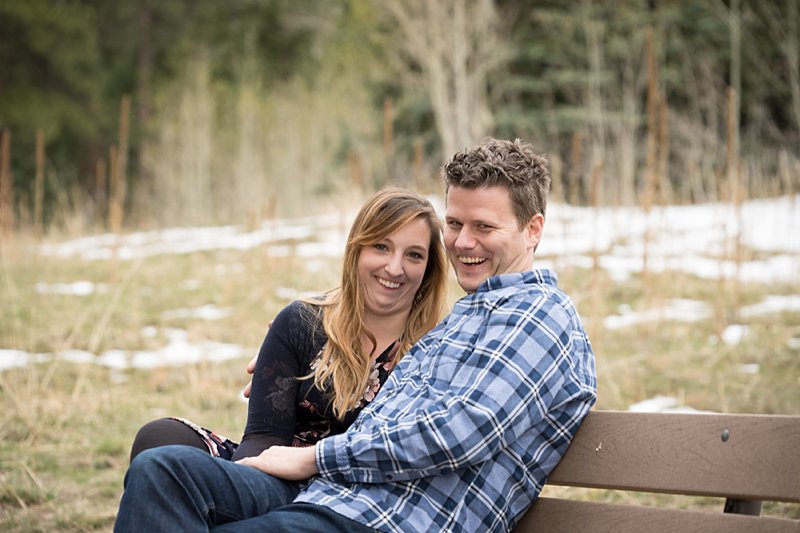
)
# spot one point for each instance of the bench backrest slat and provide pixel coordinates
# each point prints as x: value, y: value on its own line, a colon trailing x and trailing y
x: 734, y: 456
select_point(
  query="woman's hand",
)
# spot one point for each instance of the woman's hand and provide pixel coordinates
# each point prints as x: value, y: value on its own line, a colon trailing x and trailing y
x: 285, y: 462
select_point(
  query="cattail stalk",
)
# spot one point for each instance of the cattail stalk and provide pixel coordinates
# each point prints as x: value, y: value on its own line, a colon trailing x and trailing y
x: 119, y: 160
x: 651, y: 169
x: 6, y: 184
x: 388, y: 135
x: 38, y: 193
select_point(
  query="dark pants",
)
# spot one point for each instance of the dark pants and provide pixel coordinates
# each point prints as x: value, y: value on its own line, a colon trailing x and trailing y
x: 180, y: 488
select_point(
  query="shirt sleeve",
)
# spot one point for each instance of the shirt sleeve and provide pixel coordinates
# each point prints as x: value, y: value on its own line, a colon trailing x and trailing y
x: 490, y: 391
x: 271, y: 411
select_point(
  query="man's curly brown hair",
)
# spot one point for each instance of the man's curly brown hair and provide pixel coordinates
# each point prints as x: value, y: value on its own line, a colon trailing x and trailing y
x: 510, y: 164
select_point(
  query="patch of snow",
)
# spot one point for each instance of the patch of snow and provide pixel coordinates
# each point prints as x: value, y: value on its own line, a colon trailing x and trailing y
x: 205, y: 312
x: 773, y: 304
x: 75, y: 288
x: 678, y: 309
x: 178, y: 351
x: 734, y: 334
x: 661, y: 404
x: 13, y: 359
x: 749, y: 368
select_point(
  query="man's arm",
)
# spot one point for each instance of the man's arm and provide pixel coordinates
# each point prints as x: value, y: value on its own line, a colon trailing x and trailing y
x: 517, y: 373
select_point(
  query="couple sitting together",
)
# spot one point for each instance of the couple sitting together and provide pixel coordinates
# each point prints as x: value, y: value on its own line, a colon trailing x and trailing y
x: 369, y: 413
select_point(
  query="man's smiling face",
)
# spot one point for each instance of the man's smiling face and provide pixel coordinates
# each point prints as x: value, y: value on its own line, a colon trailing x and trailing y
x: 482, y: 236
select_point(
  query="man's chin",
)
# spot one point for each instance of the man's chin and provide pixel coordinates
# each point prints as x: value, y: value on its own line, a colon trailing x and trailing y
x: 470, y: 283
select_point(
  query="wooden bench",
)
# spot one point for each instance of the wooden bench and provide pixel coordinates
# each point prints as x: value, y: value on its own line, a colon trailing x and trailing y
x: 746, y: 459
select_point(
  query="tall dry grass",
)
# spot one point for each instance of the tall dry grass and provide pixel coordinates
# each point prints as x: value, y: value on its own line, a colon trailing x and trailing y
x: 65, y: 428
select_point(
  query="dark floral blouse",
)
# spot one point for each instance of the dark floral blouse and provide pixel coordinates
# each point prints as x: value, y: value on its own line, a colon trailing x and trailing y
x: 285, y: 410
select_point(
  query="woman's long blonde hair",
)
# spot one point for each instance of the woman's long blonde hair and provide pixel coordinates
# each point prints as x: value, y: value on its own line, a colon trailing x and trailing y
x: 344, y: 367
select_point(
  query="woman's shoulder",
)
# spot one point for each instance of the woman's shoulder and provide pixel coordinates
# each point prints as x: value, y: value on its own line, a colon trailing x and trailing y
x: 305, y: 309
x: 299, y: 318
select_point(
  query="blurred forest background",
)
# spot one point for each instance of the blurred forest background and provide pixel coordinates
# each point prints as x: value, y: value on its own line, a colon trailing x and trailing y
x: 142, y: 113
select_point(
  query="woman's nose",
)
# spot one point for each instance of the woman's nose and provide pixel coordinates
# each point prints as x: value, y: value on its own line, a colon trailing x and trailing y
x: 395, y: 266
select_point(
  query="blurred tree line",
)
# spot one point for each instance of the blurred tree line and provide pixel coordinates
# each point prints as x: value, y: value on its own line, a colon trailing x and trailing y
x: 190, y: 111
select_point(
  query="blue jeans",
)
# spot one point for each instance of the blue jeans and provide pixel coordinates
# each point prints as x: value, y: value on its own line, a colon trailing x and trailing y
x: 180, y: 488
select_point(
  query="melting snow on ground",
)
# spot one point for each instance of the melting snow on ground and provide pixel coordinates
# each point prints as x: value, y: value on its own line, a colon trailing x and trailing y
x: 177, y: 351
x: 695, y: 239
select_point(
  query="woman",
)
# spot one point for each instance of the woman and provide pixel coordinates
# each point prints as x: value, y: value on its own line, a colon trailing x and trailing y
x: 324, y: 359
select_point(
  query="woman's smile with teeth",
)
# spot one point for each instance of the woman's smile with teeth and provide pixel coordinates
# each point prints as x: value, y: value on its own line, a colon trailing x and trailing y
x: 471, y: 260
x: 387, y: 283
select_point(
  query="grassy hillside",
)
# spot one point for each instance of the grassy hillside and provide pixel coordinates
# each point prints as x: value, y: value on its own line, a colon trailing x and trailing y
x: 66, y: 427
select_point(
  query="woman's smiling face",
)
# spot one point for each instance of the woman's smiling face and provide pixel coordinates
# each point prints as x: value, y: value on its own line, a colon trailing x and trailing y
x: 390, y: 271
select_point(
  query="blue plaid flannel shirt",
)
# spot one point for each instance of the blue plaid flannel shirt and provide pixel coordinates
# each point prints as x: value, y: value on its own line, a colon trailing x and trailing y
x: 465, y: 431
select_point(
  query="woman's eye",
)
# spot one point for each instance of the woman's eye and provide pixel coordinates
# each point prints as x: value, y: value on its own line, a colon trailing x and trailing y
x: 416, y: 256
x: 381, y: 247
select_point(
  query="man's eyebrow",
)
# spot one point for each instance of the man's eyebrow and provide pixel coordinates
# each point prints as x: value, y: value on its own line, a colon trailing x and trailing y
x: 482, y: 222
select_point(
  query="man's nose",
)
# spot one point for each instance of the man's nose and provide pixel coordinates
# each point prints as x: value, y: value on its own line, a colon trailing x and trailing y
x: 464, y: 240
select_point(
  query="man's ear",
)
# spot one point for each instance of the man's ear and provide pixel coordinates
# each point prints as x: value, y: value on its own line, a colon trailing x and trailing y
x: 533, y: 230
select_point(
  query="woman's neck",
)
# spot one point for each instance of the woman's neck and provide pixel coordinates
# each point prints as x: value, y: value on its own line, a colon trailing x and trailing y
x: 385, y: 329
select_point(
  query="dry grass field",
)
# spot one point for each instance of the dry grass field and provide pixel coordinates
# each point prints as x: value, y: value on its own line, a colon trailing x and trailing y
x: 66, y: 426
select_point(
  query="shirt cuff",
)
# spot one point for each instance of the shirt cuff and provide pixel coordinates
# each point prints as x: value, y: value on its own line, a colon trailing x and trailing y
x: 330, y: 455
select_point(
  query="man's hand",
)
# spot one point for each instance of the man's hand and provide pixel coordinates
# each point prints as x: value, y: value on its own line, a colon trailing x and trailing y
x: 251, y: 367
x: 285, y: 462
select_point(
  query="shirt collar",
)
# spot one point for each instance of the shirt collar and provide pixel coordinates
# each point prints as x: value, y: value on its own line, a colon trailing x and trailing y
x: 542, y: 276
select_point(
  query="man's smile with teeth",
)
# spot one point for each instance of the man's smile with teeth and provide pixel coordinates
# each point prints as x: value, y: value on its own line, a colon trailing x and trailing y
x: 387, y: 283
x: 471, y: 260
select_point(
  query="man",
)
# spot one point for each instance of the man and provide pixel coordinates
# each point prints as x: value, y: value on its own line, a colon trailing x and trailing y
x: 466, y: 430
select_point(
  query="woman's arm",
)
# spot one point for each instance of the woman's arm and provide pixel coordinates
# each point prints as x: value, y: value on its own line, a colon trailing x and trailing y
x: 271, y: 413
x: 294, y: 464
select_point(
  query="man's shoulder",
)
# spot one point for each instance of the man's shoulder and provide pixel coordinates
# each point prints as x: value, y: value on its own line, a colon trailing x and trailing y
x: 522, y: 288
x: 530, y: 280
x: 535, y: 297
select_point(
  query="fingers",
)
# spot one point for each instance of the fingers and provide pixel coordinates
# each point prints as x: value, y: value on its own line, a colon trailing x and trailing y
x: 246, y: 391
x: 247, y: 461
x: 251, y: 366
